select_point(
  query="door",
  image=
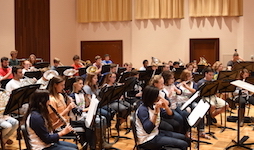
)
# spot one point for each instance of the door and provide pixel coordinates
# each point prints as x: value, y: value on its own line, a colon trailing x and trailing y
x: 89, y: 49
x: 207, y: 48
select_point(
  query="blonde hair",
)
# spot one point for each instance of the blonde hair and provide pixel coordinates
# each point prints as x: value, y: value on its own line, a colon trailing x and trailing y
x: 186, y: 73
x: 216, y: 65
x: 155, y: 79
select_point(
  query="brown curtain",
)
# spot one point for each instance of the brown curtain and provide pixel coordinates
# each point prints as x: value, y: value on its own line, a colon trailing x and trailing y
x: 158, y: 9
x: 103, y: 10
x: 209, y: 8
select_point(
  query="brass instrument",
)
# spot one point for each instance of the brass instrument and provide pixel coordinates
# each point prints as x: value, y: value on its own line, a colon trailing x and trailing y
x: 91, y: 69
x: 155, y: 61
x: 28, y: 81
x: 70, y: 72
x: 50, y: 74
x: 203, y: 61
x: 181, y: 62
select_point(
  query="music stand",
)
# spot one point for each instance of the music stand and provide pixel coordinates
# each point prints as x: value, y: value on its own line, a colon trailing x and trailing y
x: 19, y: 97
x: 145, y: 76
x: 61, y: 69
x: 105, y: 68
x: 196, y: 116
x: 226, y: 87
x: 69, y: 83
x: 123, y: 76
x: 249, y: 65
x: 207, y: 90
x: 197, y: 77
x: 240, y: 143
x: 120, y: 70
x: 33, y: 74
x: 178, y: 72
x: 4, y: 82
x: 227, y: 75
x: 39, y: 65
x: 82, y: 70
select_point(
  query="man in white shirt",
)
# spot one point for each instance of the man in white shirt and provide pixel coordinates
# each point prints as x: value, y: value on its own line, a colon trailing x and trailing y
x: 16, y: 82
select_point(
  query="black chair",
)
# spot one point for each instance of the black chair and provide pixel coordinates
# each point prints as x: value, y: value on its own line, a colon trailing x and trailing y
x: 26, y: 138
x: 4, y: 82
x: 134, y: 131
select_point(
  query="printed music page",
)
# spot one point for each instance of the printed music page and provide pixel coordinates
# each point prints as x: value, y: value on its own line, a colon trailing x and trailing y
x: 198, y: 112
x: 92, y: 111
x: 192, y: 98
x: 243, y: 85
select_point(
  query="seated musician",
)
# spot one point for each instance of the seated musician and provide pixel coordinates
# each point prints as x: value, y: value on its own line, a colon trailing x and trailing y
x: 236, y: 59
x: 26, y: 66
x: 17, y: 80
x: 32, y: 59
x: 245, y: 96
x: 128, y: 67
x: 56, y: 62
x: 13, y: 61
x: 190, y: 67
x: 120, y: 106
x: 76, y: 63
x: 83, y: 102
x: 40, y: 127
x: 98, y: 64
x: 90, y: 88
x: 176, y: 64
x: 166, y: 67
x: 145, y: 64
x: 148, y: 117
x: 5, y: 70
x: 217, y: 67
x: 107, y: 60
x: 181, y: 92
x: 186, y: 85
x: 218, y: 105
x: 178, y: 122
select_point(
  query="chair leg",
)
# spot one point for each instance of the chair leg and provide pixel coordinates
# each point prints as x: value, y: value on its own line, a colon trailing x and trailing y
x: 1, y: 140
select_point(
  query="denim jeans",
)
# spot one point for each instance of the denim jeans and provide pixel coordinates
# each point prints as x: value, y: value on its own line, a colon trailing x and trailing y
x: 9, y: 126
x: 62, y: 145
x: 167, y: 138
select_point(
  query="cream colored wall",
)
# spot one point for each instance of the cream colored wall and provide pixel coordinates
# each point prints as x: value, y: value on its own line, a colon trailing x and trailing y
x: 168, y: 39
x: 7, y: 34
x: 63, y: 38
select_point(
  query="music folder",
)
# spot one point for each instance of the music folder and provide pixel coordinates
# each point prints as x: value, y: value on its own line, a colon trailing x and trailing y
x: 198, y: 113
x: 92, y: 111
x: 192, y: 98
x: 243, y: 85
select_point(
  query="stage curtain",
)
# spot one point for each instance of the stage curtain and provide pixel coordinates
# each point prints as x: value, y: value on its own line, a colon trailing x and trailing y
x: 210, y: 8
x: 103, y: 10
x: 158, y: 9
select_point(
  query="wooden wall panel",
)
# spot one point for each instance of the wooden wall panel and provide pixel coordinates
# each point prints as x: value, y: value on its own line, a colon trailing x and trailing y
x: 32, y: 28
x: 89, y: 49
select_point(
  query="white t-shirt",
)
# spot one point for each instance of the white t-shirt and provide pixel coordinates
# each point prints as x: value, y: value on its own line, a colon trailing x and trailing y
x: 13, y: 84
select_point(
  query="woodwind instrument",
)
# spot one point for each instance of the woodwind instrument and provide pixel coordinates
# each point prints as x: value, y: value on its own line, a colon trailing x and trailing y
x: 62, y: 120
x: 188, y: 81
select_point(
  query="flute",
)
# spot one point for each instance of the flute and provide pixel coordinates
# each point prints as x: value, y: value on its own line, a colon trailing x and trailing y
x: 62, y: 119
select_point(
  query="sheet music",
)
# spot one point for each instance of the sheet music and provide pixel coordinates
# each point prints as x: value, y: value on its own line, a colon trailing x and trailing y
x: 92, y: 111
x: 198, y: 112
x: 243, y: 85
x: 192, y: 98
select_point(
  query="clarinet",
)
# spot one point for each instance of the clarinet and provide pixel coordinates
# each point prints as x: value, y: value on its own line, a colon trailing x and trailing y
x: 62, y: 119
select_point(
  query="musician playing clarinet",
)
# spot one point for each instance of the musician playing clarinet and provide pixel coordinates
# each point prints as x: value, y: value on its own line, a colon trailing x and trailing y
x: 40, y: 127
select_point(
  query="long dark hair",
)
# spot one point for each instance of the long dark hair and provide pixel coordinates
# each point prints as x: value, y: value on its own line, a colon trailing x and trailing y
x: 52, y: 82
x: 89, y: 82
x: 38, y: 102
x: 150, y: 95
